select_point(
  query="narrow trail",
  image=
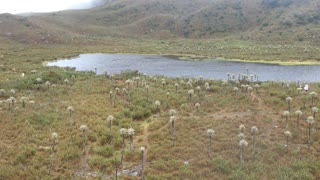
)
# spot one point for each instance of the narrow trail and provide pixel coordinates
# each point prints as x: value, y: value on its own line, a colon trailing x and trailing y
x: 229, y: 115
x: 85, y: 172
x: 268, y: 128
x: 146, y: 143
x: 260, y: 102
x: 263, y: 109
x: 273, y: 128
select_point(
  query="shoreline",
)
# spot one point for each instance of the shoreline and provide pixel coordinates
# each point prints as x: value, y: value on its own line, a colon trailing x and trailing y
x: 192, y: 57
x: 274, y: 62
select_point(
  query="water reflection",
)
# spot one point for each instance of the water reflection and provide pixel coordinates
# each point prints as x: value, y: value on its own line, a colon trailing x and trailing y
x: 167, y: 66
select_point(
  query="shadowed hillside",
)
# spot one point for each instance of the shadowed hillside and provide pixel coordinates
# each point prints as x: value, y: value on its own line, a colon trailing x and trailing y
x: 250, y: 19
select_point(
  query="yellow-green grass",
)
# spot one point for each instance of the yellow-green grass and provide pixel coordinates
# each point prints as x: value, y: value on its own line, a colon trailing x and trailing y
x: 31, y: 127
x: 13, y: 54
x: 22, y: 156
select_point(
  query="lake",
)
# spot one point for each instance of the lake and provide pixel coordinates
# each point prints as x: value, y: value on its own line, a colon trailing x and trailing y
x: 209, y: 69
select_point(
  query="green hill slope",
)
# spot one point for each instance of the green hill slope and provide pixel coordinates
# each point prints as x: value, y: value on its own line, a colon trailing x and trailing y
x: 187, y: 19
x: 251, y: 29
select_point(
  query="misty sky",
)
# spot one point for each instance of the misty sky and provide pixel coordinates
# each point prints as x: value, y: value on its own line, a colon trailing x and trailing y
x: 21, y: 6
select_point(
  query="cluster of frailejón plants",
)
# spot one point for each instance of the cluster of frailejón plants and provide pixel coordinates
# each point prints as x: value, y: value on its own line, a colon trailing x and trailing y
x: 137, y: 105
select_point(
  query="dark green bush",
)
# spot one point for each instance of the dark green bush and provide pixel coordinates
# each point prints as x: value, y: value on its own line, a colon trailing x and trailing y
x: 105, y: 151
x: 27, y: 152
x: 222, y: 165
x: 70, y: 154
x: 38, y: 118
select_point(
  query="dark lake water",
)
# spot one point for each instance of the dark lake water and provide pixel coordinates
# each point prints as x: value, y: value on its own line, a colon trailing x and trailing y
x: 209, y: 69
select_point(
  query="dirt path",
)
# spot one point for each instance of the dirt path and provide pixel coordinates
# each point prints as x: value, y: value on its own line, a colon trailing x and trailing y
x: 229, y: 115
x: 260, y: 102
x: 146, y: 143
x: 263, y: 109
x: 132, y: 171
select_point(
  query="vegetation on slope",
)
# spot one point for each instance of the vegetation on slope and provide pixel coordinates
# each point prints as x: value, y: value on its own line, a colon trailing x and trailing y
x: 56, y: 124
x: 27, y: 131
x: 251, y: 30
x: 288, y: 20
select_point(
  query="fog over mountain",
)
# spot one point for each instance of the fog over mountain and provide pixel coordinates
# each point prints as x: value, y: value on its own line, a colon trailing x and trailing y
x: 36, y: 6
x: 87, y: 5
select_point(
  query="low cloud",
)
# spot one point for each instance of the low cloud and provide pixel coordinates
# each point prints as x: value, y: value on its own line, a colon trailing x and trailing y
x: 87, y: 5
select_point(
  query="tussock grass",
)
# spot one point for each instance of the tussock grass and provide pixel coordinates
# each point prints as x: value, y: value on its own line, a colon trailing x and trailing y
x: 25, y: 138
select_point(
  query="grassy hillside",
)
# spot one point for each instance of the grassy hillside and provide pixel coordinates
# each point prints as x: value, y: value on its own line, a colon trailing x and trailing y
x: 26, y: 131
x: 256, y: 30
x: 197, y: 19
x: 273, y: 31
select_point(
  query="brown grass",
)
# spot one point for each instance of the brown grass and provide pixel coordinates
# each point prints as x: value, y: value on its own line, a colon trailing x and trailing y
x: 23, y: 158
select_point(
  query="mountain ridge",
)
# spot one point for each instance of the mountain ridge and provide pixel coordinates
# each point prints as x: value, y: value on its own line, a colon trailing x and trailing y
x: 289, y: 20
